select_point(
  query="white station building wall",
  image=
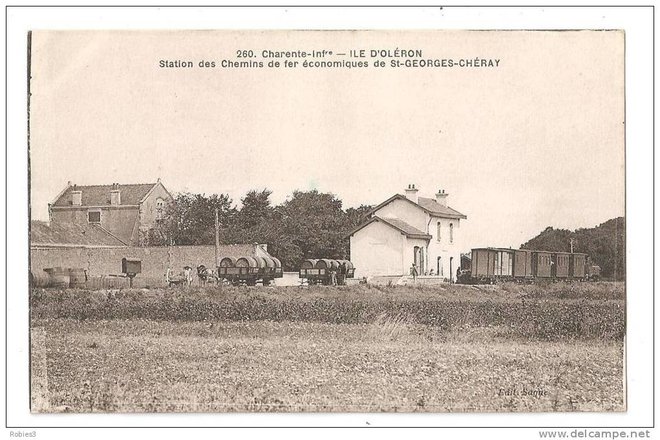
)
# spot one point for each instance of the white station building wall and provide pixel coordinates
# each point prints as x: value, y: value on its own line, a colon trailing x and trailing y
x: 377, y: 249
x: 446, y: 248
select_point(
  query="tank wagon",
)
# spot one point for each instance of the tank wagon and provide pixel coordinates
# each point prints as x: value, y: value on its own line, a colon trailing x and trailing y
x: 490, y: 265
x: 249, y: 270
x: 320, y: 271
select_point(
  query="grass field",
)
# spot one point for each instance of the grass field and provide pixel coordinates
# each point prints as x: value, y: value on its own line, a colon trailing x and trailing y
x: 360, y: 349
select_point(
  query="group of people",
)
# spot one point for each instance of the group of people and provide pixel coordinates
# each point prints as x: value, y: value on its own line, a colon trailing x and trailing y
x: 338, y: 275
x: 185, y: 277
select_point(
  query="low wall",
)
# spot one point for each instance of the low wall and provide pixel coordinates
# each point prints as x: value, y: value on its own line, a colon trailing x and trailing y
x: 107, y: 261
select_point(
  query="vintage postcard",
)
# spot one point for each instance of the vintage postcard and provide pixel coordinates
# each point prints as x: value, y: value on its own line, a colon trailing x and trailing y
x: 327, y: 221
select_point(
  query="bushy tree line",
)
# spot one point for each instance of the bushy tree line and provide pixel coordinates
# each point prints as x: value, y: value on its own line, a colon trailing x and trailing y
x: 309, y: 224
x: 605, y: 244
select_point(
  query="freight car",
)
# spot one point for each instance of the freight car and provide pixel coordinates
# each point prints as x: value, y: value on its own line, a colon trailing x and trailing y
x: 249, y: 270
x: 490, y: 265
x: 321, y: 271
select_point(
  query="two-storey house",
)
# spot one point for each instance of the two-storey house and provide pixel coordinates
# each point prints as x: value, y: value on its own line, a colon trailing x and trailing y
x: 407, y: 230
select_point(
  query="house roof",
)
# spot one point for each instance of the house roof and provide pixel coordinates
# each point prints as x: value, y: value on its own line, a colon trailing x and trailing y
x: 58, y: 234
x: 427, y: 204
x: 99, y: 195
x: 435, y: 208
x: 403, y: 227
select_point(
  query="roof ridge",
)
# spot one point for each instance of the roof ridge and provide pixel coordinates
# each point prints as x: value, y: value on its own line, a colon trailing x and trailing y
x: 98, y: 185
x: 397, y: 219
x: 417, y: 233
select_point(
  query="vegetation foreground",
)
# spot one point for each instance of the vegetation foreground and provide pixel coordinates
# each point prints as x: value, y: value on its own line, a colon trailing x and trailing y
x: 350, y: 349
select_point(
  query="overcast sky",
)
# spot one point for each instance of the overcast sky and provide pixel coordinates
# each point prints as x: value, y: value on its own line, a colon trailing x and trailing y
x: 537, y: 141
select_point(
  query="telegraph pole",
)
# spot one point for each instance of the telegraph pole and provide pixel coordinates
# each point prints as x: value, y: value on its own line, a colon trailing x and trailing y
x: 217, y: 237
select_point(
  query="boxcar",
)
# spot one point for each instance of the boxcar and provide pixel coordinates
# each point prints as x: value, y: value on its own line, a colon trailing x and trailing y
x: 483, y: 263
x: 522, y: 264
x: 490, y: 264
x: 577, y: 265
x: 561, y: 264
x: 541, y: 264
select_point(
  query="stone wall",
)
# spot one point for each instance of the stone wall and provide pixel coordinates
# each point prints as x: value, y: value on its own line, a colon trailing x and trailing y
x: 107, y: 261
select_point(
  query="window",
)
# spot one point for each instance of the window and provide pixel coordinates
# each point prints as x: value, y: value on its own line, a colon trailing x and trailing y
x: 439, y: 235
x: 451, y: 232
x: 94, y: 216
x: 160, y: 203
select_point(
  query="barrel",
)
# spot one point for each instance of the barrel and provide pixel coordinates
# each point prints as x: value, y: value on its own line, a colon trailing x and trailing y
x: 308, y: 264
x: 39, y: 278
x: 228, y: 262
x: 325, y: 263
x: 77, y: 277
x: 247, y: 262
x: 349, y: 265
x: 268, y: 262
x: 58, y: 277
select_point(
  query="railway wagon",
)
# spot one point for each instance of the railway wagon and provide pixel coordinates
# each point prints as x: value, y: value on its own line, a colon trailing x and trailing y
x: 542, y: 264
x: 522, y: 264
x: 489, y: 265
x: 561, y: 264
x: 249, y: 270
x: 320, y: 271
x: 577, y: 264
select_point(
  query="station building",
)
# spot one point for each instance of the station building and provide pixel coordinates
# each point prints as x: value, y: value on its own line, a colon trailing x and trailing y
x: 406, y: 230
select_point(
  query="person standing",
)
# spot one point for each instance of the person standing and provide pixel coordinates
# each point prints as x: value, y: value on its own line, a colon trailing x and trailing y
x: 341, y: 278
x: 414, y: 272
x: 187, y: 275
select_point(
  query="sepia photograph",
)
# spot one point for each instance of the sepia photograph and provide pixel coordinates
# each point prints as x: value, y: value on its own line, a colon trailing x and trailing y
x: 345, y: 221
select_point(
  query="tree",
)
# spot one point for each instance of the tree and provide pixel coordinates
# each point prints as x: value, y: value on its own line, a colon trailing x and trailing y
x: 316, y: 224
x: 190, y: 220
x: 605, y: 244
x: 356, y: 216
x: 259, y: 222
x: 308, y: 225
x: 256, y: 209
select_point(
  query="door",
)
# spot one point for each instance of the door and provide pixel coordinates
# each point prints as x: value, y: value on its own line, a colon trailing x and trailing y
x: 451, y: 269
x: 553, y: 265
x: 417, y: 259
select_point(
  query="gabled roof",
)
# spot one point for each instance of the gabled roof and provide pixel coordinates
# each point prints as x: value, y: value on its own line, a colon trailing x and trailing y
x: 428, y: 205
x: 99, y: 195
x: 401, y: 226
x: 435, y: 208
x: 59, y: 234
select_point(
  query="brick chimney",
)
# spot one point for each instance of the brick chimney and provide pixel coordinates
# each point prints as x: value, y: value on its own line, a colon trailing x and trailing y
x: 115, y: 195
x: 441, y: 197
x: 76, y: 196
x: 411, y: 193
